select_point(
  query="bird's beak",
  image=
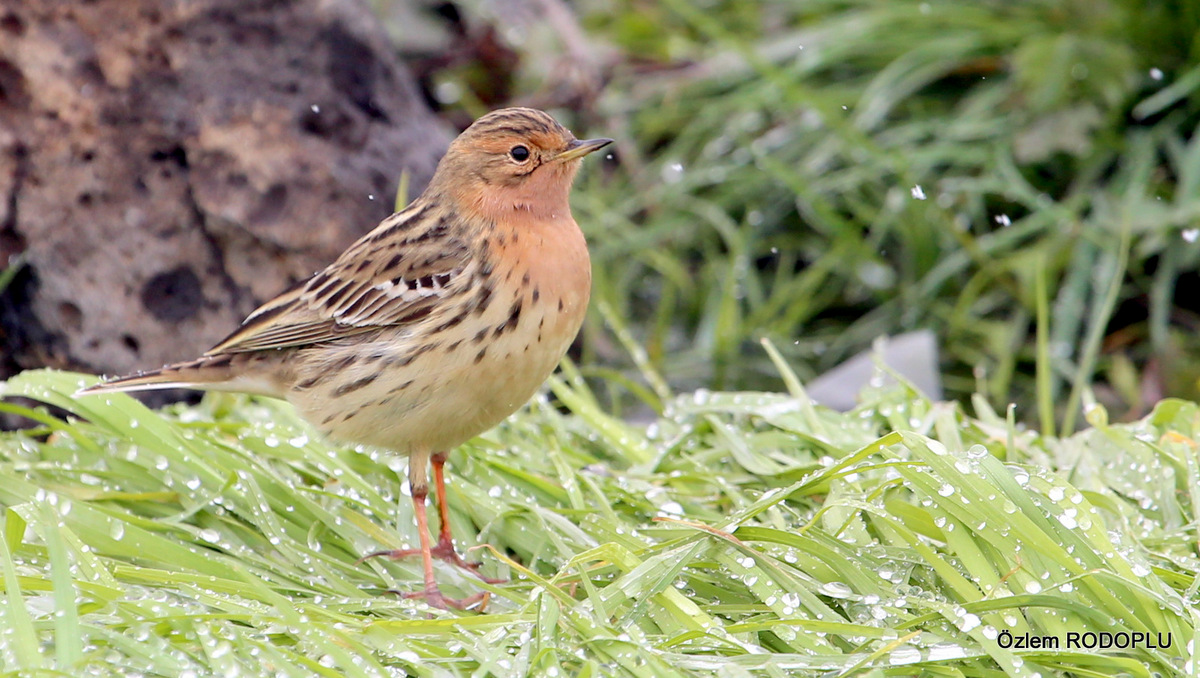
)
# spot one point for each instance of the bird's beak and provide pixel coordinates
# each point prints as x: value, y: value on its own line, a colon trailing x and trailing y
x: 578, y: 149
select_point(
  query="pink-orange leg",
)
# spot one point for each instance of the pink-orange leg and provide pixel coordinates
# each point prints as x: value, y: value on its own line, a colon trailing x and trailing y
x: 445, y: 546
x: 444, y: 549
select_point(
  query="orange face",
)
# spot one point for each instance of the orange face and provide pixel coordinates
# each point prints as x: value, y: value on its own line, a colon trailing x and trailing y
x: 513, y: 160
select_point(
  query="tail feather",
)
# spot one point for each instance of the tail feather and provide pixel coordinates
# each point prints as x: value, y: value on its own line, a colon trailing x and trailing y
x: 222, y: 372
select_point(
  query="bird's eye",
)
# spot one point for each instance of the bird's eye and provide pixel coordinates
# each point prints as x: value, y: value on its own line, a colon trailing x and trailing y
x: 519, y: 153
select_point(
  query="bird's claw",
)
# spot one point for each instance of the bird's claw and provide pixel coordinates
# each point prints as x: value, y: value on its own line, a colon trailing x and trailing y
x: 444, y: 551
x: 434, y: 598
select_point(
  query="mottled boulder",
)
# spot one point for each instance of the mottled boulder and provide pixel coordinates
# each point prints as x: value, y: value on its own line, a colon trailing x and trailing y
x: 166, y: 165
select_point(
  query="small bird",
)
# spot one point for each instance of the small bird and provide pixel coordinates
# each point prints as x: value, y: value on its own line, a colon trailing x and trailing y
x: 433, y: 327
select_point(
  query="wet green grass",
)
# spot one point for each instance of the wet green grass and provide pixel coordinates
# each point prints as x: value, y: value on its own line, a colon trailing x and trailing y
x: 738, y: 534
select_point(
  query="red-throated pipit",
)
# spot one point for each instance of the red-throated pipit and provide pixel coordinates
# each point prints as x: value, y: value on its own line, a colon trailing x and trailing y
x: 436, y: 325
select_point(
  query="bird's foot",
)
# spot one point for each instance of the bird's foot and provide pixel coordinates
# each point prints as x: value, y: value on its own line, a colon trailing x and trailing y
x: 434, y: 598
x: 444, y: 551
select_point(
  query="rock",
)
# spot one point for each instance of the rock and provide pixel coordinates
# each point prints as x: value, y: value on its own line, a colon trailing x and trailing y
x: 166, y: 166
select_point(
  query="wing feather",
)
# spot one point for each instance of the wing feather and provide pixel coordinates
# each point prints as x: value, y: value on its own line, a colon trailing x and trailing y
x: 396, y: 274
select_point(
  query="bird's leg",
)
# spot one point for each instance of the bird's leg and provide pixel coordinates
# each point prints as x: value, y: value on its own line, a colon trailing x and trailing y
x: 418, y: 482
x: 445, y: 542
x: 445, y: 546
x: 432, y: 594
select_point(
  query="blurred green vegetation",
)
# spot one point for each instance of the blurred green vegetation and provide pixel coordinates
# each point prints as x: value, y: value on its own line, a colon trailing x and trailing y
x: 824, y: 172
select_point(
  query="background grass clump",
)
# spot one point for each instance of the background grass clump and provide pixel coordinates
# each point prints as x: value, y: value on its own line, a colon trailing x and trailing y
x: 742, y: 533
x: 824, y: 172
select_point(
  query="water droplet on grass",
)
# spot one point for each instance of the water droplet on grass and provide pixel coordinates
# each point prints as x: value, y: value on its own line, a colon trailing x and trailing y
x: 672, y: 172
x: 904, y: 655
x: 835, y: 589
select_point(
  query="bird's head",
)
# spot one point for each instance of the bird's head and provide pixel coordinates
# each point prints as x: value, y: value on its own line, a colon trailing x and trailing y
x: 513, y: 160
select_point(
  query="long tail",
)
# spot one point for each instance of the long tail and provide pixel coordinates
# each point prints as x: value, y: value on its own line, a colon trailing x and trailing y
x: 222, y: 372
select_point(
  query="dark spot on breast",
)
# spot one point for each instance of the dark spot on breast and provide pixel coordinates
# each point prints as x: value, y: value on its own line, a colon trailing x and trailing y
x: 401, y: 362
x: 479, y: 356
x: 479, y: 336
x: 451, y: 347
x: 399, y: 388
x: 394, y: 261
x: 452, y: 322
x: 174, y: 295
x: 536, y: 294
x: 514, y: 317
x: 560, y: 306
x: 312, y: 381
x: 406, y: 360
x: 354, y: 385
x: 525, y: 279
